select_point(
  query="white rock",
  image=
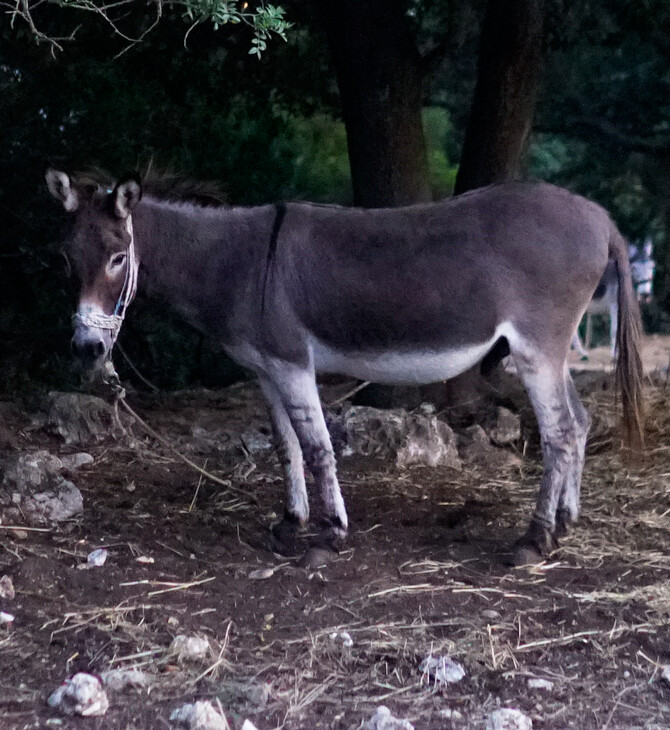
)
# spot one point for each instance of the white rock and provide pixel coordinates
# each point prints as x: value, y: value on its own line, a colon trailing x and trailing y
x: 450, y: 714
x: 261, y: 574
x: 248, y: 725
x: 384, y: 720
x: 509, y: 719
x: 76, y: 417
x: 190, y: 648
x: 97, y: 558
x: 538, y: 683
x: 76, y: 461
x: 409, y: 438
x: 6, y: 618
x: 118, y: 679
x: 665, y: 673
x: 506, y: 428
x: 32, y: 488
x: 80, y: 695
x: 442, y: 669
x: 342, y: 637
x: 200, y: 716
x: 6, y: 588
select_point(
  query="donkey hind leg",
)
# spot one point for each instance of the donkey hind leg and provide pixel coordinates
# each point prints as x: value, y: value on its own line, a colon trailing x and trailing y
x: 300, y: 397
x: 289, y: 453
x: 568, y: 505
x: 546, y: 386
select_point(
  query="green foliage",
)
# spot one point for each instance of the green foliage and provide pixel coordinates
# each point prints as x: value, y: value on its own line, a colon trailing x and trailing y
x: 439, y: 132
x: 320, y: 171
x: 265, y: 20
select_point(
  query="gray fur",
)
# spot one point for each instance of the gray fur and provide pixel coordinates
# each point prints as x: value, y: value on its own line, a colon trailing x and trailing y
x: 407, y: 295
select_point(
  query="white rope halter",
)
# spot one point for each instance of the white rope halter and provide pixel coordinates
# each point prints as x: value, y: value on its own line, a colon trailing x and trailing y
x: 113, y: 322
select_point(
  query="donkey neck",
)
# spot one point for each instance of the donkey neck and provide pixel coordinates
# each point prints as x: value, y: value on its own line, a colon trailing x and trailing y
x: 202, y: 261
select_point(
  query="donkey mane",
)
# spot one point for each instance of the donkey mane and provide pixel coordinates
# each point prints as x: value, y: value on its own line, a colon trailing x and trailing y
x: 161, y: 184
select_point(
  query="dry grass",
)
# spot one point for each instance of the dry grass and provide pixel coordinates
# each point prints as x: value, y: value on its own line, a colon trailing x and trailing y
x: 594, y: 619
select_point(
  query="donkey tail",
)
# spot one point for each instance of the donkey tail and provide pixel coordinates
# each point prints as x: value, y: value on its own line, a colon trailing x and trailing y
x: 628, y: 369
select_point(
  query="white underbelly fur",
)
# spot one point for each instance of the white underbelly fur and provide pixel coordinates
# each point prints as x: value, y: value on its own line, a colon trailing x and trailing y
x: 398, y: 367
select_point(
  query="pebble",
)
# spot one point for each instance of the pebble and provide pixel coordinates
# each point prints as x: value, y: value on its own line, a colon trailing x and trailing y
x: 80, y: 695
x: 190, y: 648
x: 199, y: 716
x: 442, y: 669
x: 76, y: 461
x: 665, y: 673
x: 384, y: 720
x: 97, y: 558
x: 509, y: 719
x: 538, y: 683
x: 118, y: 679
x: 342, y: 637
x: 7, y: 588
x: 261, y: 573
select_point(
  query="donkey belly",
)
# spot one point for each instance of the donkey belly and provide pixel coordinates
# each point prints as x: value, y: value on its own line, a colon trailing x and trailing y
x: 404, y: 366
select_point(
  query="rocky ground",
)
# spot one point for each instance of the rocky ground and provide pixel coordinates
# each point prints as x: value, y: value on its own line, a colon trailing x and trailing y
x: 157, y: 569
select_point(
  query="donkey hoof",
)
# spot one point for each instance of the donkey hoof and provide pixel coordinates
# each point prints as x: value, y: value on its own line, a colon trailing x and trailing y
x: 564, y: 521
x: 284, y: 537
x: 534, y: 545
x: 332, y: 535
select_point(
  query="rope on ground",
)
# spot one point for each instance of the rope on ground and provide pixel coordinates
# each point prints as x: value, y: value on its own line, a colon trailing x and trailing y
x: 224, y: 483
x: 108, y: 377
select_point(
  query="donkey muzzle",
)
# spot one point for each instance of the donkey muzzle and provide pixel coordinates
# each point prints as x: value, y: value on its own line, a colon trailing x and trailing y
x: 88, y: 346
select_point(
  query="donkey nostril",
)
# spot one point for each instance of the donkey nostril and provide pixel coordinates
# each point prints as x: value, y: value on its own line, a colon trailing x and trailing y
x: 87, y: 351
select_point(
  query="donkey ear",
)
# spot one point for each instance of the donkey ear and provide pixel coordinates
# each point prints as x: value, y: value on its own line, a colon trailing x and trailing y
x: 60, y: 187
x: 126, y: 195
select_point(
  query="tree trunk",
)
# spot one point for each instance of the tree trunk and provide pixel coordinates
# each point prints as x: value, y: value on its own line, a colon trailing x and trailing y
x: 379, y: 76
x: 508, y: 77
x: 501, y: 117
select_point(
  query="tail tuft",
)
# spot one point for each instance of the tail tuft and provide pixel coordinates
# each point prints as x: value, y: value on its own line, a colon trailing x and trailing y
x: 628, y: 369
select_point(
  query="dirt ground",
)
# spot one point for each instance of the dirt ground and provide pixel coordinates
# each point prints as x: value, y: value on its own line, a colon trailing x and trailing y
x: 424, y: 571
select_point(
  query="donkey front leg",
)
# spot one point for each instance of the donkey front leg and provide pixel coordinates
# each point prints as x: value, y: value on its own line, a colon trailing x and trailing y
x: 300, y: 397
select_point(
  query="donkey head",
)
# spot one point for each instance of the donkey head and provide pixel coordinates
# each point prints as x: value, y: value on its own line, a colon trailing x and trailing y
x: 101, y: 253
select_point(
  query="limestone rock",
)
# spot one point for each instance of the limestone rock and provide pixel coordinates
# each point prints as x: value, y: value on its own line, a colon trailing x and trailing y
x: 81, y: 695
x: 33, y: 488
x: 475, y: 447
x: 77, y: 418
x: 384, y: 720
x: 408, y: 438
x: 506, y: 427
x: 509, y: 719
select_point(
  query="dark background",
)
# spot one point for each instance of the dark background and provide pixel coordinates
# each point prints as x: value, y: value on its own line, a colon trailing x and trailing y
x: 428, y: 95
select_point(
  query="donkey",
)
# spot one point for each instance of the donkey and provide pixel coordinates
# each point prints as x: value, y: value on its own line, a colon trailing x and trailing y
x: 408, y: 295
x: 605, y: 299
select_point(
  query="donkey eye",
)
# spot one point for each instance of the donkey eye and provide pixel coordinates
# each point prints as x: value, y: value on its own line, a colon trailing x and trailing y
x: 117, y: 260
